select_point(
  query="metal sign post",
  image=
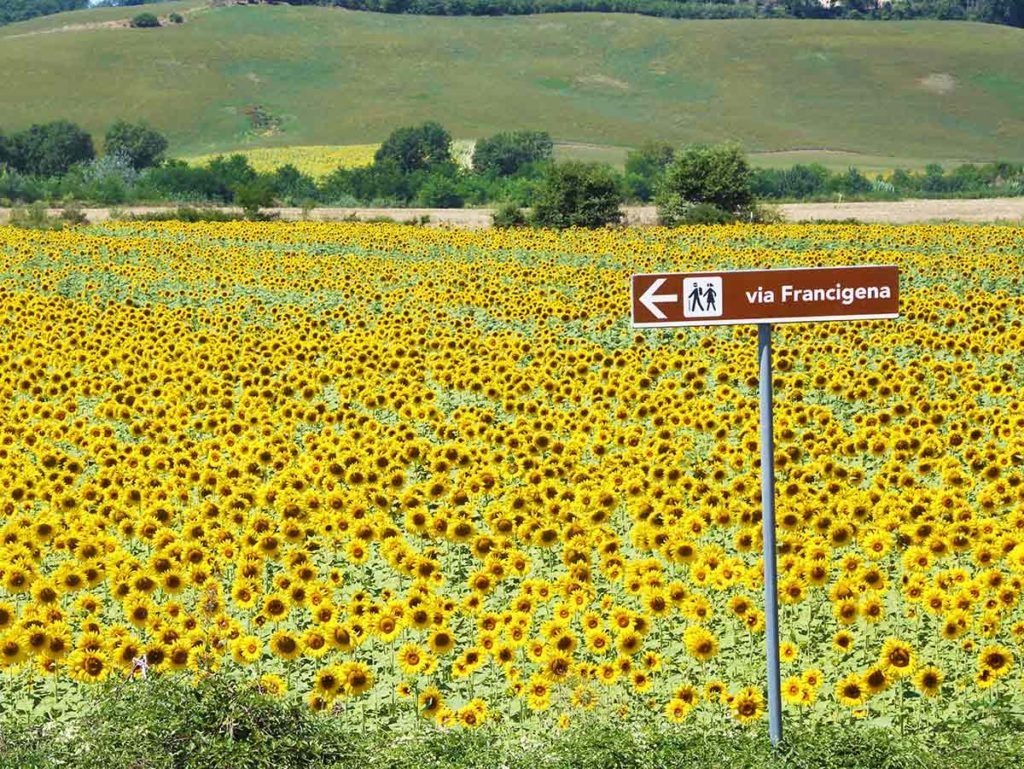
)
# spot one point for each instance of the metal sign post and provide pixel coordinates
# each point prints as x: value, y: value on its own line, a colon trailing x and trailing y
x: 771, y: 593
x: 764, y: 297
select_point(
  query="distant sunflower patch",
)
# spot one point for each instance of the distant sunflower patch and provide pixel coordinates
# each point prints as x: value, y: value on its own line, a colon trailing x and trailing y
x: 314, y: 160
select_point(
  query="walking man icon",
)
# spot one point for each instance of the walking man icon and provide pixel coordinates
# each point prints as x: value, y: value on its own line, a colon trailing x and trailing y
x: 695, y: 302
x: 711, y: 295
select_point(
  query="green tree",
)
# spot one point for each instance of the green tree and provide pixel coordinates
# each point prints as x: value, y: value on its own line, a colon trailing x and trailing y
x: 716, y: 175
x: 576, y: 194
x: 50, y: 149
x: 20, y: 10
x: 853, y: 182
x: 509, y: 215
x: 141, y: 145
x: 145, y: 20
x: 645, y: 167
x: 293, y: 186
x: 254, y: 195
x: 416, y: 148
x: 232, y: 171
x: 440, y: 190
x: 506, y: 153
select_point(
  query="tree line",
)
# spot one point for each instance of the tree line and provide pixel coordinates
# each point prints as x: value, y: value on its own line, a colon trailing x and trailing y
x: 1009, y: 12
x: 416, y: 166
x: 12, y: 11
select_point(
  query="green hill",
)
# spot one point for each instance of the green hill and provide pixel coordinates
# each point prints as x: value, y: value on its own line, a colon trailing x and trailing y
x: 236, y: 76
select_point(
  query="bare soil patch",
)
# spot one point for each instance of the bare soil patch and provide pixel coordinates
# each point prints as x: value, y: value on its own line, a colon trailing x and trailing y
x: 897, y: 212
x: 938, y: 82
x: 603, y: 81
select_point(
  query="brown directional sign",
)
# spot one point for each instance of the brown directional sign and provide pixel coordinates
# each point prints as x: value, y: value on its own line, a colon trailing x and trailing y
x: 765, y: 296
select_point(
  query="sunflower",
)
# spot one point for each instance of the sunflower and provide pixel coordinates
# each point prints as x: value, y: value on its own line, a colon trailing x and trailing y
x: 88, y: 667
x: 13, y: 649
x: 629, y: 643
x: 410, y: 658
x: 441, y: 641
x: 843, y: 641
x: 700, y: 643
x: 473, y: 714
x: 557, y: 666
x: 793, y: 690
x: 996, y: 659
x: 327, y: 682
x: 356, y: 678
x: 897, y: 658
x: 788, y: 652
x: 851, y: 691
x: 285, y: 645
x: 928, y: 680
x: 676, y: 710
x: 430, y: 702
x: 876, y: 680
x: 246, y: 650
x: 180, y: 655
x: 748, y: 705
x: 272, y: 685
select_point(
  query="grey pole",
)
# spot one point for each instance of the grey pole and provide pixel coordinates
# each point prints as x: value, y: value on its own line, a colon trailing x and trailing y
x: 771, y: 595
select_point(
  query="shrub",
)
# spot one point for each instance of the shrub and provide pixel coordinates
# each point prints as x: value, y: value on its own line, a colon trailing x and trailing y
x: 509, y: 215
x: 176, y: 18
x: 694, y: 213
x: 439, y: 190
x: 49, y: 149
x: 73, y: 214
x: 33, y: 217
x: 576, y: 194
x: 716, y: 175
x: 233, y: 171
x: 220, y: 722
x: 176, y: 180
x: 253, y: 196
x: 505, y: 153
x: 145, y: 21
x: 291, y: 185
x: 182, y: 214
x: 645, y: 168
x: 416, y: 148
x: 141, y: 145
x: 20, y: 188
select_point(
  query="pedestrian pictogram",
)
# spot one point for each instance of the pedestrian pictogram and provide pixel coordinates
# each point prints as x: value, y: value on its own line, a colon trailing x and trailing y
x: 702, y: 297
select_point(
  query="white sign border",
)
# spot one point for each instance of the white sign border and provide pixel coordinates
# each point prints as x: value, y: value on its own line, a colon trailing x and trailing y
x: 743, y: 321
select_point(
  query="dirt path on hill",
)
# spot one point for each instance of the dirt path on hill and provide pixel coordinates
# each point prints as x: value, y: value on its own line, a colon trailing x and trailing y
x: 899, y: 212
x: 113, y: 24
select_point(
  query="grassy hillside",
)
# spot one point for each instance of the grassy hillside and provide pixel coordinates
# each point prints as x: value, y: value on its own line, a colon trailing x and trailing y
x: 279, y: 75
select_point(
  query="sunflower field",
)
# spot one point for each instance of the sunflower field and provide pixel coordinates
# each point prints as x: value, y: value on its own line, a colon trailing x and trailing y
x: 402, y: 473
x: 314, y: 160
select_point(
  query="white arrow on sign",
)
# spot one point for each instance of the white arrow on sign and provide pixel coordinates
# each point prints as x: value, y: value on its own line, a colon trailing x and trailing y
x: 650, y: 299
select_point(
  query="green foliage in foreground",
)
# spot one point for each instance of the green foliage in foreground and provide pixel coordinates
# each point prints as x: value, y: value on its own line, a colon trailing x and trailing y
x: 167, y: 723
